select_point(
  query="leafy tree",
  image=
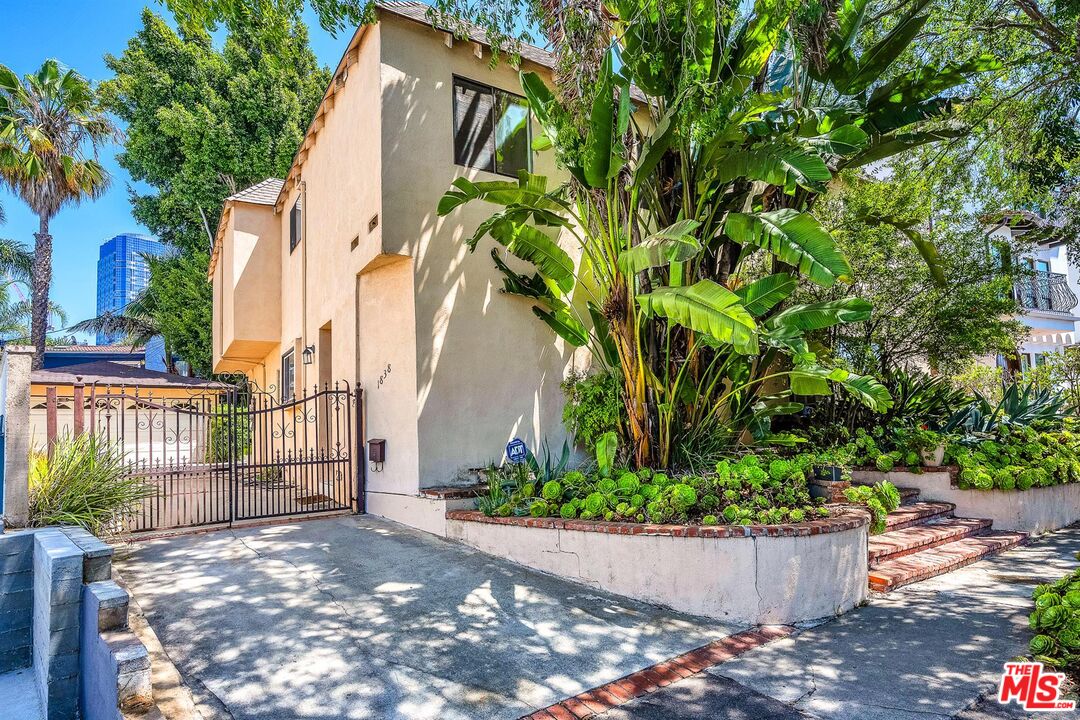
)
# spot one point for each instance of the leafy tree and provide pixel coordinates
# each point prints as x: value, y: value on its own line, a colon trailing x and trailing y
x: 945, y: 318
x: 696, y: 228
x: 334, y: 15
x: 1024, y: 152
x: 201, y: 125
x: 51, y: 128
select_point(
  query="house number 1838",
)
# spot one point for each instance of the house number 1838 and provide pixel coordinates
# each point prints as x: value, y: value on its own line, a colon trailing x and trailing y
x: 384, y: 375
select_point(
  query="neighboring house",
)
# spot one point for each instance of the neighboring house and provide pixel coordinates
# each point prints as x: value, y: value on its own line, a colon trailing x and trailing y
x: 1048, y: 298
x: 58, y: 356
x: 346, y: 265
x: 123, y: 273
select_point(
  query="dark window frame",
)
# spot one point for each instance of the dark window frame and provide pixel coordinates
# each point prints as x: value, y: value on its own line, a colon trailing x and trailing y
x: 288, y: 375
x: 494, y: 92
x: 296, y: 223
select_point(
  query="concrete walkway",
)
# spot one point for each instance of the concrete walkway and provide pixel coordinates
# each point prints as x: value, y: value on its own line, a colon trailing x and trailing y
x: 930, y: 650
x: 357, y: 617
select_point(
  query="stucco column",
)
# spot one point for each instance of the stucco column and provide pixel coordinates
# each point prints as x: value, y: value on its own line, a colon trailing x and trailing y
x: 15, y: 404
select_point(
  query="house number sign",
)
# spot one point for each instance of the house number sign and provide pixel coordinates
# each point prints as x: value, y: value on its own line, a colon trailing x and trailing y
x: 385, y: 374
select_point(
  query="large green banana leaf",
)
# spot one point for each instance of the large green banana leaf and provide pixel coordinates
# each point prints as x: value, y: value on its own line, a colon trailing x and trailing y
x: 796, y: 238
x: 528, y: 243
x: 708, y: 308
x: 820, y: 315
x: 766, y: 293
x: 675, y: 243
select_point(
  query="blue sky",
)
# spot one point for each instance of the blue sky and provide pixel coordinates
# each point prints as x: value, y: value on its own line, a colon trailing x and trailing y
x: 80, y: 37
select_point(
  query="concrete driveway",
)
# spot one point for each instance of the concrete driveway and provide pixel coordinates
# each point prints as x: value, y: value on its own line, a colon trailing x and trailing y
x: 357, y: 617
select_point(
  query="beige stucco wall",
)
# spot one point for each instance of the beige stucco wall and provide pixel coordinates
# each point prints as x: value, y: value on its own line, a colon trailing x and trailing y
x: 486, y: 369
x: 247, y: 282
x: 1037, y: 510
x: 751, y: 580
x: 469, y: 368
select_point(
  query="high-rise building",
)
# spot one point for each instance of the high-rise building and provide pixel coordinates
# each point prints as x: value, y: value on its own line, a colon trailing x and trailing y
x: 123, y: 273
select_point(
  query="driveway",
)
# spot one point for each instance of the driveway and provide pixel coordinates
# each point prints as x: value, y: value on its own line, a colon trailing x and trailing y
x: 929, y: 651
x: 358, y: 617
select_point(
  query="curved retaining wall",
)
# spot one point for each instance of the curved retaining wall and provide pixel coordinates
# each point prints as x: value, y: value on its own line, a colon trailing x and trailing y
x: 768, y: 574
x: 1037, y: 510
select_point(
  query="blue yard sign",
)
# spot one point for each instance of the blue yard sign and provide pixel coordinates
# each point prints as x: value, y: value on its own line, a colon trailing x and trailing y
x: 516, y: 451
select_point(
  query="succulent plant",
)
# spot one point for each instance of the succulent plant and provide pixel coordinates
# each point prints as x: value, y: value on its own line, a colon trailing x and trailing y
x: 552, y: 490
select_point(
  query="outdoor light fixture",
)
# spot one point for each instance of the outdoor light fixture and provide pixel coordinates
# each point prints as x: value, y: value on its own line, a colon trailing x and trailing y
x: 309, y: 354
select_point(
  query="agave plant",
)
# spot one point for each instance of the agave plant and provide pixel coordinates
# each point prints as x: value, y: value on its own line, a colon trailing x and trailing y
x: 1020, y: 405
x: 691, y: 213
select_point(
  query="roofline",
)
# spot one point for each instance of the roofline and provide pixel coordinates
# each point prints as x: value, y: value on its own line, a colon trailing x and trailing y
x: 348, y: 58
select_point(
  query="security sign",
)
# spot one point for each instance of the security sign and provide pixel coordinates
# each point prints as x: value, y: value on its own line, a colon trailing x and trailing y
x: 516, y: 451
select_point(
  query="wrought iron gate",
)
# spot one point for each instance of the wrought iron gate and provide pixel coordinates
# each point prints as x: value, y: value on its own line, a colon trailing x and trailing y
x: 222, y: 453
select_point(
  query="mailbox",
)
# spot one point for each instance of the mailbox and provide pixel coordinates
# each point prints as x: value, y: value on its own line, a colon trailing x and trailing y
x: 376, y: 451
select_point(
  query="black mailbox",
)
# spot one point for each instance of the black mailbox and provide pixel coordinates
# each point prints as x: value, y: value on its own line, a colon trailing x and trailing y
x: 376, y: 450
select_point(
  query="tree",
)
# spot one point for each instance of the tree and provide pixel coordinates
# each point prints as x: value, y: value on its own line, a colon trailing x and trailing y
x: 201, y: 125
x: 696, y: 227
x: 945, y: 319
x: 135, y: 322
x: 51, y: 129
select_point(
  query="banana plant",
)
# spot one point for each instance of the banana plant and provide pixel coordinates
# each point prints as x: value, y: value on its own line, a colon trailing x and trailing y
x: 689, y: 217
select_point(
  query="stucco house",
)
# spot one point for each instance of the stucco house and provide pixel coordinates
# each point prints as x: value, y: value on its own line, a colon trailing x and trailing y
x: 1048, y: 298
x: 346, y: 258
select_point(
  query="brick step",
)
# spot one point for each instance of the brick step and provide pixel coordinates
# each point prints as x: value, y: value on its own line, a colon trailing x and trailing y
x: 905, y: 541
x: 908, y: 496
x: 939, y: 560
x: 917, y: 513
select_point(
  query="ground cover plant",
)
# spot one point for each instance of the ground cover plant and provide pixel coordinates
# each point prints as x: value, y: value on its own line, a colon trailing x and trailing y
x: 752, y: 489
x: 1017, y: 458
x: 1056, y: 622
x: 880, y: 499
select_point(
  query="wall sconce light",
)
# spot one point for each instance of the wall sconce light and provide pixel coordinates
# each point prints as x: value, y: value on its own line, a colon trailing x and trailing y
x: 309, y: 354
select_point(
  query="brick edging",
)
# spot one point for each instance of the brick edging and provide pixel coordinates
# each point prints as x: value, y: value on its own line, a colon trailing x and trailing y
x: 619, y: 692
x: 845, y: 518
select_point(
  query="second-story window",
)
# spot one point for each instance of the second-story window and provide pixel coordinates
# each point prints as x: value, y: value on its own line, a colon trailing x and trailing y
x: 288, y: 376
x: 296, y: 223
x: 491, y: 128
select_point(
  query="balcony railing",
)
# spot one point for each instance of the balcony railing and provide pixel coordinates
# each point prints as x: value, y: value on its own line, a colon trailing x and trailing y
x: 1045, y: 291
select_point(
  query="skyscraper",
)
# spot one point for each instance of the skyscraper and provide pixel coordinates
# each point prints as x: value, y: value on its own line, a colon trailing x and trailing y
x: 122, y: 273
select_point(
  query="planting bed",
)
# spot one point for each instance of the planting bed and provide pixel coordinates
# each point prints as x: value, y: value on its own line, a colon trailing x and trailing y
x: 751, y: 574
x: 1035, y: 510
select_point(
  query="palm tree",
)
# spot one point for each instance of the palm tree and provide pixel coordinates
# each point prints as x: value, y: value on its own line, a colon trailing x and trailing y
x: 51, y: 128
x: 136, y: 322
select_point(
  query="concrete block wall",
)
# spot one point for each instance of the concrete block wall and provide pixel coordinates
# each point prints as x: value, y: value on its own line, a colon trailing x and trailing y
x: 16, y: 600
x: 62, y: 615
x: 58, y: 583
x: 115, y: 666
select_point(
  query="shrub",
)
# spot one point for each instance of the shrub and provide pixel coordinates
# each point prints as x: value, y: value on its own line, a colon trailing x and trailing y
x: 222, y: 428
x: 593, y: 406
x: 880, y: 499
x: 85, y: 483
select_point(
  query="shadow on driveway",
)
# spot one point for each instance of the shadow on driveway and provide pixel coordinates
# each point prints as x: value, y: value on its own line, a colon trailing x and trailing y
x: 359, y: 617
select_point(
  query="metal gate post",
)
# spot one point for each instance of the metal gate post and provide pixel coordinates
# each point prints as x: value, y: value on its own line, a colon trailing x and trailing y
x: 361, y: 453
x: 230, y: 438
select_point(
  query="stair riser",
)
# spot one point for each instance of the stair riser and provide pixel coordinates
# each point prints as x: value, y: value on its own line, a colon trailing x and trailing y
x: 887, y: 585
x: 876, y: 558
x: 920, y: 521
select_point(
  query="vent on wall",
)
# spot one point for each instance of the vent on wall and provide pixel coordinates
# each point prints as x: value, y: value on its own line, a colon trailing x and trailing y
x: 355, y: 243
x: 373, y: 222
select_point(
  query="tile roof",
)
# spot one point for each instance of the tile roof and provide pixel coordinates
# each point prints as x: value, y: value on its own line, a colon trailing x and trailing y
x: 111, y: 373
x: 92, y: 348
x: 264, y: 193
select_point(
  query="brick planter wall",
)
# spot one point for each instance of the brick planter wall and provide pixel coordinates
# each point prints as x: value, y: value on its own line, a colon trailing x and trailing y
x: 1039, y: 509
x: 753, y: 574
